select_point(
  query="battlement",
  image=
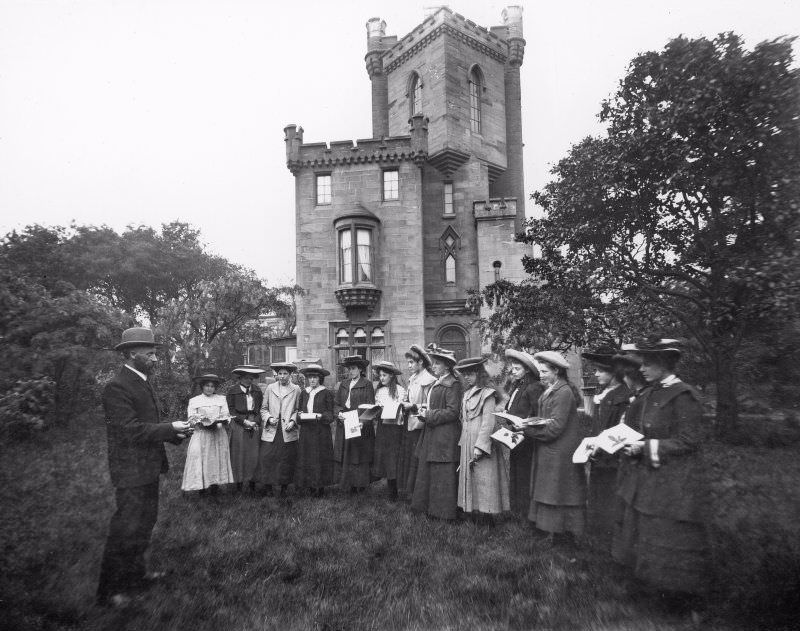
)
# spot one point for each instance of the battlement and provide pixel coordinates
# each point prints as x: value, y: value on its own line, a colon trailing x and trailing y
x: 495, y: 208
x: 444, y: 20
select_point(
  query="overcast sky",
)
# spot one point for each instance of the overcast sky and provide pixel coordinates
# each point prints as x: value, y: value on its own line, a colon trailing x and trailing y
x: 142, y: 112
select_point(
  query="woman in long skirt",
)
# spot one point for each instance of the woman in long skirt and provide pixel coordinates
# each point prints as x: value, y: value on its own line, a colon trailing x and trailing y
x: 523, y: 401
x: 419, y: 382
x: 610, y: 404
x: 353, y: 456
x: 278, y: 455
x: 315, y: 447
x: 244, y: 405
x: 436, y: 485
x: 389, y: 431
x: 208, y: 460
x: 482, y: 471
x: 558, y: 499
x: 662, y: 535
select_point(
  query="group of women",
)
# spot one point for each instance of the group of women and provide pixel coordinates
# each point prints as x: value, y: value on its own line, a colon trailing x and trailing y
x: 433, y: 444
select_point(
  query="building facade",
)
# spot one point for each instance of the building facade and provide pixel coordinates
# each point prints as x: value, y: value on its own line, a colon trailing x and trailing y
x: 394, y: 231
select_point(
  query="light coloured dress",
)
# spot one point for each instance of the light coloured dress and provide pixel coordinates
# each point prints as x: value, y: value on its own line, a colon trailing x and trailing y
x: 482, y: 487
x: 208, y: 459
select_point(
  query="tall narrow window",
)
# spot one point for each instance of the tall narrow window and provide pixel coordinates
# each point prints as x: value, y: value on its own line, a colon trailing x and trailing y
x: 450, y: 269
x: 391, y: 184
x: 415, y: 94
x: 345, y: 257
x: 364, y: 242
x: 323, y: 189
x: 475, y: 89
x: 355, y: 255
x: 448, y: 199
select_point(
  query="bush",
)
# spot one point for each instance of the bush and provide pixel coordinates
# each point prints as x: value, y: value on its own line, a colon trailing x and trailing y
x: 25, y: 406
x: 754, y: 531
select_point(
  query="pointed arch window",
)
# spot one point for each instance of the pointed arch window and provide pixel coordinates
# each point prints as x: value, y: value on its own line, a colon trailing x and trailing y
x: 475, y: 91
x: 450, y: 242
x: 415, y: 94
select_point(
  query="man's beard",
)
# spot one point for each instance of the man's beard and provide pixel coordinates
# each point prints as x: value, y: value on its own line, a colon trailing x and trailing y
x: 142, y: 365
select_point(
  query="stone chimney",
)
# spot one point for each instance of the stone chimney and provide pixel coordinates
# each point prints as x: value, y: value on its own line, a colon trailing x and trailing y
x: 376, y: 32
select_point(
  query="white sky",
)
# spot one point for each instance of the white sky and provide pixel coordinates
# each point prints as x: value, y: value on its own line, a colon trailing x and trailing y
x: 142, y: 112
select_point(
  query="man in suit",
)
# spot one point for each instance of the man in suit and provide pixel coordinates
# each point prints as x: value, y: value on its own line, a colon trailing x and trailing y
x: 136, y: 458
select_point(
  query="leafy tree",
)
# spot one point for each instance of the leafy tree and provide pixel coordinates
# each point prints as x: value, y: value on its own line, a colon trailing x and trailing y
x: 688, y: 207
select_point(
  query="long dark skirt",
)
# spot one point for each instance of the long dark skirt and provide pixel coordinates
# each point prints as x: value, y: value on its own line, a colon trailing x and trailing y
x: 388, y: 440
x: 667, y: 554
x: 407, y: 466
x: 277, y: 460
x: 520, y: 462
x: 436, y: 489
x: 602, y: 503
x: 314, y: 457
x: 558, y: 518
x: 244, y: 452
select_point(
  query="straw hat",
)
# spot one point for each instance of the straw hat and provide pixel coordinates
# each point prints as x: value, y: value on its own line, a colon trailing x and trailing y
x: 469, y: 364
x: 657, y: 346
x: 442, y: 354
x: 283, y: 366
x: 386, y: 366
x: 208, y: 376
x: 551, y: 357
x: 248, y: 369
x: 315, y: 369
x: 526, y: 359
x: 417, y: 353
x: 136, y: 336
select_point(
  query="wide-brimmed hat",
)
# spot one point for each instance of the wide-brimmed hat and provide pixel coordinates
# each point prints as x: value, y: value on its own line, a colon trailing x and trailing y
x: 386, y: 366
x: 354, y: 360
x: 315, y: 369
x: 657, y: 346
x: 136, y: 336
x: 526, y: 359
x: 551, y: 357
x: 417, y: 353
x: 283, y: 366
x: 470, y: 364
x: 248, y: 369
x: 442, y: 354
x: 207, y: 376
x: 602, y: 355
x: 627, y: 360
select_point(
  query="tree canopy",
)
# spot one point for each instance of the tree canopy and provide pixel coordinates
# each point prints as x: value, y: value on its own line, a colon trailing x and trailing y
x: 684, y: 215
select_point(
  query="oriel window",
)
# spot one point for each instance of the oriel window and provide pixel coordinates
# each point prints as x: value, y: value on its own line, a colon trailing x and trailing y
x: 355, y: 259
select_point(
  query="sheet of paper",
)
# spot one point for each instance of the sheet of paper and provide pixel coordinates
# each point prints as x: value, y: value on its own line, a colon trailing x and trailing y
x: 390, y: 410
x: 584, y: 450
x: 520, y: 423
x: 507, y: 437
x: 308, y: 416
x: 352, y: 426
x: 615, y: 438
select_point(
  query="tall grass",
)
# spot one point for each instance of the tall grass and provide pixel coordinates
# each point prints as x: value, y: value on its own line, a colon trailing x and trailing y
x: 238, y: 562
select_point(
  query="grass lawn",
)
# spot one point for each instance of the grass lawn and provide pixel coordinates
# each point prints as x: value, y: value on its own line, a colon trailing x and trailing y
x: 241, y: 562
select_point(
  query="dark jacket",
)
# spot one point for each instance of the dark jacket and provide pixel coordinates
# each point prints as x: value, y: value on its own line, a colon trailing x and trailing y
x: 136, y: 435
x: 526, y: 402
x: 360, y: 449
x: 442, y: 431
x: 611, y: 408
x: 556, y: 480
x: 237, y: 403
x: 669, y: 486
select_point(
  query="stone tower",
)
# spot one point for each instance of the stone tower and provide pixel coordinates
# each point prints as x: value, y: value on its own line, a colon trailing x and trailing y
x: 394, y: 230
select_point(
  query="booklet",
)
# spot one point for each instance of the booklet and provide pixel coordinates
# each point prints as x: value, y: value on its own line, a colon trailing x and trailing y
x: 584, y: 450
x: 308, y: 416
x: 615, y: 438
x: 390, y: 411
x: 369, y: 411
x: 352, y: 426
x: 520, y: 423
x: 507, y: 437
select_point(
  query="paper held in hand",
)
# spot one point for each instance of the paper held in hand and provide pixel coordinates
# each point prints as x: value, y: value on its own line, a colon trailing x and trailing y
x: 520, y: 423
x: 390, y: 410
x: 369, y: 411
x: 611, y: 440
x: 507, y: 437
x: 308, y: 416
x: 352, y: 426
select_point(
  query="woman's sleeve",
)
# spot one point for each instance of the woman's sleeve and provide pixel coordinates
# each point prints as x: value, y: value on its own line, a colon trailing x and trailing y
x: 339, y: 402
x: 231, y: 399
x: 327, y: 407
x: 264, y: 412
x: 450, y: 412
x: 484, y: 441
x: 532, y: 394
x: 563, y: 402
x: 688, y: 436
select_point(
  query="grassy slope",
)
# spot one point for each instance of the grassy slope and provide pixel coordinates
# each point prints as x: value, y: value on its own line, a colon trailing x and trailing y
x: 256, y: 563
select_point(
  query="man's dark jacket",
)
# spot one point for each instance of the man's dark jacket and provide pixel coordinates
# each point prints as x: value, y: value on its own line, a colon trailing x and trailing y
x: 136, y: 435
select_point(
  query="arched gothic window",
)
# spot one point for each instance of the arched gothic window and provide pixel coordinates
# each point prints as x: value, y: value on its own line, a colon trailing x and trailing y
x: 415, y: 94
